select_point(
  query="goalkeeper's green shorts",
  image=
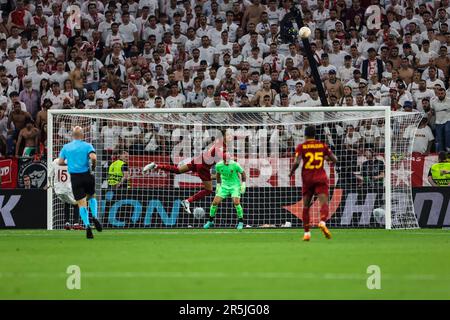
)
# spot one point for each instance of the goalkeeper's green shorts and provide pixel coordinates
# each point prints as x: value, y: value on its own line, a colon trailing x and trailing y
x: 233, y: 191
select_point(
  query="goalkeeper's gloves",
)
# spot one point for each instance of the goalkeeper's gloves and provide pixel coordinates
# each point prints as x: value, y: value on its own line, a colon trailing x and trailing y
x: 218, y: 186
x: 243, y: 187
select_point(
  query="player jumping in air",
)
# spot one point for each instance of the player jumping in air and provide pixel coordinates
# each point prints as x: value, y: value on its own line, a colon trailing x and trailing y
x: 59, y: 180
x: 314, y: 178
x: 230, y: 182
x: 201, y: 165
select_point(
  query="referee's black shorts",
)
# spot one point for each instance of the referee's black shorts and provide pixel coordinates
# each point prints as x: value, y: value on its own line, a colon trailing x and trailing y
x: 82, y: 184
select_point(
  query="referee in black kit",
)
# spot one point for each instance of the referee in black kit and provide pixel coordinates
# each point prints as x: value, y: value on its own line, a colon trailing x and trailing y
x: 78, y: 153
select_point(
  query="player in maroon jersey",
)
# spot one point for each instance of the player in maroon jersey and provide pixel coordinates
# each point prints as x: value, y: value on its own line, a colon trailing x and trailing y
x: 314, y: 178
x: 201, y: 164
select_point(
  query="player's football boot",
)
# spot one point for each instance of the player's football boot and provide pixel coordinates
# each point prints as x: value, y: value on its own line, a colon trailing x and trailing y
x: 89, y: 234
x: 67, y: 226
x: 307, y: 237
x: 185, y: 204
x: 240, y: 226
x: 325, y: 230
x: 76, y: 226
x: 98, y: 225
x: 149, y: 167
x: 208, y: 225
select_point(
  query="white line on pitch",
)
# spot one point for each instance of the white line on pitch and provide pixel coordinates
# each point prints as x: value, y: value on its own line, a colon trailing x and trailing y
x: 262, y: 275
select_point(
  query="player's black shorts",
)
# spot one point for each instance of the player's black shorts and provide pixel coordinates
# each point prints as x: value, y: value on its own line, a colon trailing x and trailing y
x: 82, y: 184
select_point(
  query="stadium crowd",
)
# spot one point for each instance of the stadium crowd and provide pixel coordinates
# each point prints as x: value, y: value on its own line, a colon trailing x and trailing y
x: 219, y: 53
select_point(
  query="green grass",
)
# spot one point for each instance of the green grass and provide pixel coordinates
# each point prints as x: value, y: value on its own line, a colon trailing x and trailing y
x: 225, y: 264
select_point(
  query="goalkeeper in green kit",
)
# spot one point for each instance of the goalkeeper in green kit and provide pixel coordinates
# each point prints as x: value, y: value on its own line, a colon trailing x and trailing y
x: 230, y: 182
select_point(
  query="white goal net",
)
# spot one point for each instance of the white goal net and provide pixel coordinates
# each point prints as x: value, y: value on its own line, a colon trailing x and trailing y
x: 369, y: 185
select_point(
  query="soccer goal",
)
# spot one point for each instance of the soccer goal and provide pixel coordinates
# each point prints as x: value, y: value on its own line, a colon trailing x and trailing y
x: 369, y: 185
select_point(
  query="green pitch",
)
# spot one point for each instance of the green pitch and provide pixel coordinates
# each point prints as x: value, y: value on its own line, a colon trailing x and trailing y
x: 225, y: 264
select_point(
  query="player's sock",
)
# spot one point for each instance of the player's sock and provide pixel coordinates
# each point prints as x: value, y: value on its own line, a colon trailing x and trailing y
x: 241, y: 220
x: 306, y: 219
x: 84, y: 216
x: 169, y: 168
x: 199, y: 195
x: 239, y: 211
x: 67, y: 212
x: 324, y: 212
x: 212, y: 213
x: 76, y: 214
x: 93, y: 206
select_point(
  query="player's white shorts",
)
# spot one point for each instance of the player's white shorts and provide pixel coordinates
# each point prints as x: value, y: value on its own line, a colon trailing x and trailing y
x: 67, y: 198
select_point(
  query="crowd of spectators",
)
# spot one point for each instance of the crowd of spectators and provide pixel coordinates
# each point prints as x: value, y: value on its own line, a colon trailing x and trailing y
x: 91, y: 54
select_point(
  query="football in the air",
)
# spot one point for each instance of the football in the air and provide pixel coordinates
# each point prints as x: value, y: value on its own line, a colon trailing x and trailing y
x: 199, y: 213
x: 304, y: 32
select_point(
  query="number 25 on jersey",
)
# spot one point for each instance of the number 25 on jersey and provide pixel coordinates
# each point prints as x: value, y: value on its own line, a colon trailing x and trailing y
x: 315, y: 160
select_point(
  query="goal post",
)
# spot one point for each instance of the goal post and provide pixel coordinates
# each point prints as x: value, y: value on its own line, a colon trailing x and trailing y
x: 387, y: 155
x: 369, y: 186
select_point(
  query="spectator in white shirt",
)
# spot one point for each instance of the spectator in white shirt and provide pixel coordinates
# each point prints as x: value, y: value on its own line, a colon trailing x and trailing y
x: 370, y: 134
x: 12, y: 63
x: 104, y: 93
x: 423, y: 137
x: 175, y: 99
x: 129, y: 33
x: 207, y: 52
x: 59, y: 75
x: 56, y: 96
x: 441, y: 107
x: 38, y: 75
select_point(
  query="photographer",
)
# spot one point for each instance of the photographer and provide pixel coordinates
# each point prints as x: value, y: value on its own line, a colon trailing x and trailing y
x: 372, y: 171
x: 371, y: 177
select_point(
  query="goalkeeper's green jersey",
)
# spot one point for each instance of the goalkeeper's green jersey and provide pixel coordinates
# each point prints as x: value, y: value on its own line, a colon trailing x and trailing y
x: 229, y: 173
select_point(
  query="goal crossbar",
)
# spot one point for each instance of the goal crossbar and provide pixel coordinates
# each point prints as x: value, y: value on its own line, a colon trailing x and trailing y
x: 222, y: 110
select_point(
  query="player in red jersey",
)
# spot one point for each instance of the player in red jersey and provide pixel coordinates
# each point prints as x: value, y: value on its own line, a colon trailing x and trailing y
x: 314, y: 178
x: 201, y: 164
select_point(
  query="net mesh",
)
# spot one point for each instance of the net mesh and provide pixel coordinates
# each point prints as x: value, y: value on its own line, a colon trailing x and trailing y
x: 263, y: 143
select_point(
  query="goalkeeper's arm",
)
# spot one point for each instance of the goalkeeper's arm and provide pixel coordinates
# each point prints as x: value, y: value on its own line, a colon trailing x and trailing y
x: 218, y: 184
x: 243, y: 179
